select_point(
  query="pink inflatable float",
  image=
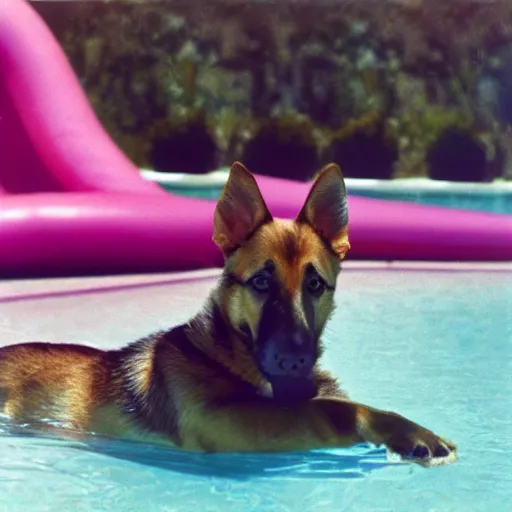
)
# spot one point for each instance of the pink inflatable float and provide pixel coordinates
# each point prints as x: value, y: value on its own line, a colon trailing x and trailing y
x: 72, y: 203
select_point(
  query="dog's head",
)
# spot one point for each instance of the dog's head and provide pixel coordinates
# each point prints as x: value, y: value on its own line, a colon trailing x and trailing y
x: 280, y: 275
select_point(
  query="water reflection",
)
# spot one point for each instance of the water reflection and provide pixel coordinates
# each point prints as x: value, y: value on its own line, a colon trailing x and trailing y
x: 352, y: 463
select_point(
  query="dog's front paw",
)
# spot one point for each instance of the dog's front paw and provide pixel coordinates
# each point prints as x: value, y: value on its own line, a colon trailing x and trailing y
x: 414, y: 443
x: 417, y: 444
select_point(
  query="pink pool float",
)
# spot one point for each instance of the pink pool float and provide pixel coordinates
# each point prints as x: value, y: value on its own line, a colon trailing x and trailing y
x: 71, y: 203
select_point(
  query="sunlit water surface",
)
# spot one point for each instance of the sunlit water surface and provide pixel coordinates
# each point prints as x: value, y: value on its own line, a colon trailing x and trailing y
x: 433, y: 346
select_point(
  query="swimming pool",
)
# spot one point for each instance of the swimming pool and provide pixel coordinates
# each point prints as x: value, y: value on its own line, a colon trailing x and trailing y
x: 493, y: 197
x: 435, y: 346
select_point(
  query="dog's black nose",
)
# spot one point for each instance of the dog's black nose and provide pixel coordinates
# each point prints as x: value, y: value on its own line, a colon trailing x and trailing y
x: 293, y: 363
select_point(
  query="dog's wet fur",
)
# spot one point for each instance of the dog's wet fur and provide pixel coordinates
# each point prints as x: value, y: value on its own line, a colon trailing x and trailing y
x: 243, y: 374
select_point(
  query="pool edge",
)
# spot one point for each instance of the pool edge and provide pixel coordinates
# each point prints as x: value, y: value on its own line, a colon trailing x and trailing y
x: 20, y: 290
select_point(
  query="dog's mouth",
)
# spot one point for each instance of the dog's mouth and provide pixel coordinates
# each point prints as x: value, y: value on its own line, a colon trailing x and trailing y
x: 289, y: 372
x: 288, y: 390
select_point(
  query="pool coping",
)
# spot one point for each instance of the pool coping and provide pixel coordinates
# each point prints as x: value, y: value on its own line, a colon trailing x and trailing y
x: 38, y: 289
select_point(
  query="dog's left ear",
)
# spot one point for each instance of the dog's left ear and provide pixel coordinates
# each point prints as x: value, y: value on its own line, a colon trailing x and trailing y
x: 326, y: 209
x: 240, y: 210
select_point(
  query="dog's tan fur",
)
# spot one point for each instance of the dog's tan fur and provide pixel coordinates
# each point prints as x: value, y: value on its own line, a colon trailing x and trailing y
x: 199, y: 386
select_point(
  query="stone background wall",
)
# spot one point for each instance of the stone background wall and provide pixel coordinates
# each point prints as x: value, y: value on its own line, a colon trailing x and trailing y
x: 385, y: 88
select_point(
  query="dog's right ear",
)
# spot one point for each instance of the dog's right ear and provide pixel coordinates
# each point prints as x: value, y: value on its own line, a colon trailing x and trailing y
x: 240, y: 210
x: 326, y: 209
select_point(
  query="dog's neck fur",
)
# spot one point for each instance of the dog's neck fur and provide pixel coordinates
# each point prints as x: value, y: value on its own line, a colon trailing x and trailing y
x: 211, y: 332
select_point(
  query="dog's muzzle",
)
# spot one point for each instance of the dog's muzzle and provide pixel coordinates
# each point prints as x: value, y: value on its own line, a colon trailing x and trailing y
x: 287, y: 361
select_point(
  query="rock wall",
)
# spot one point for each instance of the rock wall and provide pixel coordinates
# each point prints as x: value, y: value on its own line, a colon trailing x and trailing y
x: 385, y: 88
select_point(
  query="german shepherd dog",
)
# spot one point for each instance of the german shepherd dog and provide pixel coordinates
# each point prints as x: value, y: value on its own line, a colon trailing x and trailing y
x: 243, y: 374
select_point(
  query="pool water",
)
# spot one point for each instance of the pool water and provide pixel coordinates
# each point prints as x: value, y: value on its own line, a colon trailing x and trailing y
x: 495, y: 201
x: 434, y: 346
x: 487, y: 197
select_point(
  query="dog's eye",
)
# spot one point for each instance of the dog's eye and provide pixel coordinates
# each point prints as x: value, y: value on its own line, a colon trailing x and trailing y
x: 260, y: 283
x: 316, y: 285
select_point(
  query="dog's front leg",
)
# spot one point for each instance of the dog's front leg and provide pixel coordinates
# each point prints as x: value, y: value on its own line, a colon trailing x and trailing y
x: 319, y: 423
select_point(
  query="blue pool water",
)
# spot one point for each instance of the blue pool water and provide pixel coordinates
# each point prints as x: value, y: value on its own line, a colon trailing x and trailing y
x: 496, y: 202
x: 489, y: 197
x: 434, y: 346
